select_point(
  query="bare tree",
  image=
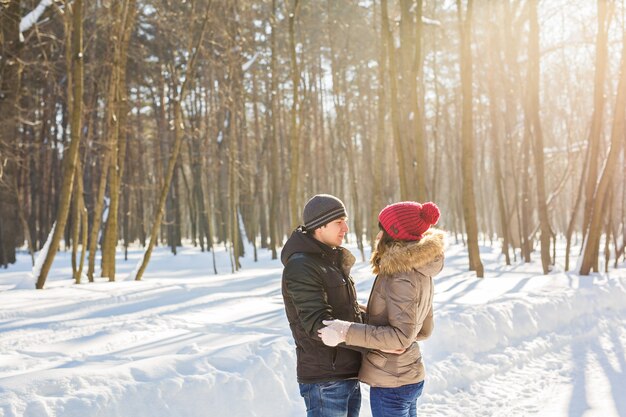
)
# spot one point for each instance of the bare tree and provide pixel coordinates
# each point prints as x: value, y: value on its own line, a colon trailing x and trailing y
x: 194, y: 49
x: 274, y: 169
x: 358, y: 99
x: 534, y: 125
x: 294, y: 145
x: 71, y: 156
x: 124, y: 17
x: 399, y: 143
x: 601, y: 200
x: 494, y: 100
x: 10, y: 78
x: 595, y: 132
x: 467, y: 137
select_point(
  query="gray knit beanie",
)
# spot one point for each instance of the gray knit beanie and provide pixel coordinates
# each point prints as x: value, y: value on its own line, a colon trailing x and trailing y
x: 322, y: 209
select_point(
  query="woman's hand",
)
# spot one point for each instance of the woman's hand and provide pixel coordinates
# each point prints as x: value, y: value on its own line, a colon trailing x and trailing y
x: 334, y: 333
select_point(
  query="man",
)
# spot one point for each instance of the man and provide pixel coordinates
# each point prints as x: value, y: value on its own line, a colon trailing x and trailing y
x: 317, y: 286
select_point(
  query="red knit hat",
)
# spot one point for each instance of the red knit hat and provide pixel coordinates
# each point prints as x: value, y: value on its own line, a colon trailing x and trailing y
x: 408, y: 220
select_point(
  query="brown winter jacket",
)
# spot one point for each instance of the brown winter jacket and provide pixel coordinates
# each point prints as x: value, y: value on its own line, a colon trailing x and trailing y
x: 400, y: 312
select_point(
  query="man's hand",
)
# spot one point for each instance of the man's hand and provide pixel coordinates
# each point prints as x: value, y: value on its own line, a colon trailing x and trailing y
x: 335, y: 332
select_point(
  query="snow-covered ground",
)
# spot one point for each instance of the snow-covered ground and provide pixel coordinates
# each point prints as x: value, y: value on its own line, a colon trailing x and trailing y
x: 185, y: 342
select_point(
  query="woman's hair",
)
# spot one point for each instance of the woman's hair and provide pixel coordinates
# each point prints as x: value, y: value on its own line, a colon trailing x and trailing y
x: 383, y: 244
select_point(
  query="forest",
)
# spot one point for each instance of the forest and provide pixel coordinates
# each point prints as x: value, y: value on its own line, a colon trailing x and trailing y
x: 211, y: 122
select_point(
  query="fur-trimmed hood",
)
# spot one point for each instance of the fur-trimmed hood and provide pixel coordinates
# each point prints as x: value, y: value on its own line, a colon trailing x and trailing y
x: 403, y: 256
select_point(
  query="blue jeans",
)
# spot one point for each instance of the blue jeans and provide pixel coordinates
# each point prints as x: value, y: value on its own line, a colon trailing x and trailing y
x: 395, y: 402
x: 332, y: 399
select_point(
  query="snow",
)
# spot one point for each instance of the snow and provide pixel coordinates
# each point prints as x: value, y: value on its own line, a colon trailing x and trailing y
x: 31, y: 18
x: 29, y: 281
x: 246, y: 66
x: 185, y: 342
x: 430, y: 22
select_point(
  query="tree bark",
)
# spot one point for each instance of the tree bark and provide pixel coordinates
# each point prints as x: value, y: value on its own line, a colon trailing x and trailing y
x: 416, y: 118
x: 595, y: 132
x: 22, y: 216
x: 125, y: 15
x: 10, y: 75
x: 274, y: 170
x: 537, y: 135
x: 395, y: 113
x: 294, y: 146
x: 379, y: 148
x: 599, y: 207
x: 79, y: 223
x: 70, y: 158
x: 572, y: 222
x: 467, y: 138
x: 498, y: 178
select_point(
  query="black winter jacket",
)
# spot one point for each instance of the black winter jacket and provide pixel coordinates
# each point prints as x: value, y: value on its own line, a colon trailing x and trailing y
x: 317, y: 286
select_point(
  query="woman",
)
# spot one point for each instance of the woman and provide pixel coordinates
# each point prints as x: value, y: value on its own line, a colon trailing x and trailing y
x: 399, y: 311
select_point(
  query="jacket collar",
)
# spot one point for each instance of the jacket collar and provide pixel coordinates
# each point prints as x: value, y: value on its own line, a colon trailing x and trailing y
x: 301, y: 242
x: 403, y: 256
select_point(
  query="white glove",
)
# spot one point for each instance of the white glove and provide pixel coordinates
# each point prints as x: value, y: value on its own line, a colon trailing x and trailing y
x: 335, y: 332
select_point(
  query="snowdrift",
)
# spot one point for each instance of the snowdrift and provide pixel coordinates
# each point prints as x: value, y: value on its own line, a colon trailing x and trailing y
x: 185, y: 342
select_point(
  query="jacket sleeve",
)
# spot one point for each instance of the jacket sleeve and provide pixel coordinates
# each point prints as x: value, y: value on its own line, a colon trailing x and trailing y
x: 304, y: 286
x: 427, y: 326
x: 406, y: 315
x: 431, y: 270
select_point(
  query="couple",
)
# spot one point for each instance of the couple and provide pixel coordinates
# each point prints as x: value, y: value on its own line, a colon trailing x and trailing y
x: 339, y: 342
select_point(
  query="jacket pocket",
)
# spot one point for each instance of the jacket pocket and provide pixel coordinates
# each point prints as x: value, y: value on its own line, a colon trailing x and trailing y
x: 377, y: 358
x: 396, y: 365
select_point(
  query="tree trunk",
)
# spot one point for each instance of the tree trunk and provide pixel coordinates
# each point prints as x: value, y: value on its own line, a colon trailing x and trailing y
x: 525, y: 203
x: 200, y: 211
x: 599, y: 207
x: 274, y: 170
x: 78, y: 222
x: 395, y: 113
x: 495, y: 47
x: 595, y: 132
x: 416, y: 118
x: 207, y: 213
x: 125, y: 15
x: 379, y: 148
x: 467, y: 138
x: 97, y: 216
x: 609, y: 226
x: 22, y: 216
x: 70, y: 158
x: 537, y: 135
x: 10, y: 74
x: 572, y: 222
x: 294, y: 146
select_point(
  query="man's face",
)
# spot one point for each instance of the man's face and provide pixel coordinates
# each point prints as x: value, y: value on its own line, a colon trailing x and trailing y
x: 332, y: 234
